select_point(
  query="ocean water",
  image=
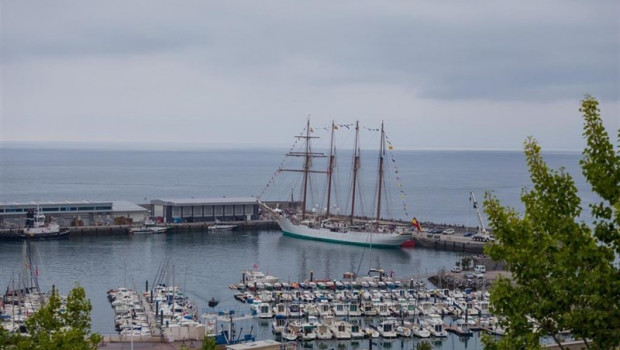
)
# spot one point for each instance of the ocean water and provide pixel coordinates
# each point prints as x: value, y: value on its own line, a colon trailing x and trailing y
x: 436, y: 183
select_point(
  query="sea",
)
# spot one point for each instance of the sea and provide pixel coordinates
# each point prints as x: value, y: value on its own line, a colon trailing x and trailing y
x: 433, y: 186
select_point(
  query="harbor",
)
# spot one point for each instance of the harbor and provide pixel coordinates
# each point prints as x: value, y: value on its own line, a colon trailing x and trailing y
x: 108, y: 262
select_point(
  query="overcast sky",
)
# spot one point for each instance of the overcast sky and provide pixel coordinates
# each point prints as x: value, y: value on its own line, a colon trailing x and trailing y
x: 441, y: 74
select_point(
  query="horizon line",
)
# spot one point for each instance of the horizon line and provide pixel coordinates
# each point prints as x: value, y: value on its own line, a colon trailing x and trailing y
x: 205, y: 146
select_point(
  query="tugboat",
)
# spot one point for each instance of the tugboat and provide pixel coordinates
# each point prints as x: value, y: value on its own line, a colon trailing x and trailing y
x: 36, y: 228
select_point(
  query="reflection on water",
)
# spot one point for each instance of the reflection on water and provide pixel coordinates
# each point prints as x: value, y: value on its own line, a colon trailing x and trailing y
x: 204, y: 264
x: 335, y: 259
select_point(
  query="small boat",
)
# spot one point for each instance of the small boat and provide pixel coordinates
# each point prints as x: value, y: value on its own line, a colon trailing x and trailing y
x: 144, y: 229
x: 222, y: 227
x: 213, y: 302
x: 356, y: 331
x: 341, y: 330
x: 218, y: 226
x: 250, y: 277
x: 420, y: 331
x: 386, y: 329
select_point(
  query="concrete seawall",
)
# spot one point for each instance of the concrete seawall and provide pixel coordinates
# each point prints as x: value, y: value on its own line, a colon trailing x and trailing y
x: 112, y: 230
x: 453, y: 243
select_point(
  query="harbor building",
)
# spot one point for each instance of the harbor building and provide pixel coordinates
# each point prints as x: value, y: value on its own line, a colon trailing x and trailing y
x: 205, y: 209
x: 73, y: 213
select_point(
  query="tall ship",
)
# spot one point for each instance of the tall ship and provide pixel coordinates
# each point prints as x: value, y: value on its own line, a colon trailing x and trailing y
x: 327, y: 226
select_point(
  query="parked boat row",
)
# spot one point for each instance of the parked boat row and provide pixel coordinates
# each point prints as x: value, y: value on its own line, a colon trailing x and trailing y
x: 254, y: 280
x: 23, y: 297
x: 130, y: 311
x: 150, y: 312
x: 17, y: 305
x: 334, y: 309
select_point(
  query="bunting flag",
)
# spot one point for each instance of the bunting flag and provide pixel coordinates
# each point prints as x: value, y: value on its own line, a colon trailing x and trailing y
x: 399, y: 183
x: 273, y: 178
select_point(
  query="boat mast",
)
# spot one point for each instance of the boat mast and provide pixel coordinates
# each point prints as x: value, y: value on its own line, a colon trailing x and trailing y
x: 306, y: 168
x: 330, y: 170
x: 381, y: 155
x: 308, y: 155
x: 356, y: 162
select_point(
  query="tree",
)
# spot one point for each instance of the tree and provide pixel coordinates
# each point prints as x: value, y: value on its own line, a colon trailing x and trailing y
x: 423, y: 346
x: 55, y: 327
x: 466, y: 262
x: 563, y: 272
x: 209, y: 343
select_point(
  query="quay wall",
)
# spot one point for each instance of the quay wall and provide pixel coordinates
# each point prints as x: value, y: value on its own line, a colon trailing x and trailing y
x: 455, y: 242
x: 172, y: 228
x: 448, y: 243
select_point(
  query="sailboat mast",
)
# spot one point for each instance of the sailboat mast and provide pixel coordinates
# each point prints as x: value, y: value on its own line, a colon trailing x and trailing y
x: 307, y: 155
x: 330, y: 170
x: 356, y: 160
x: 381, y: 155
x: 306, y: 168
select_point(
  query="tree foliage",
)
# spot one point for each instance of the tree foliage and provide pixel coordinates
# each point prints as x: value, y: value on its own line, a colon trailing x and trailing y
x: 209, y: 343
x: 563, y: 272
x: 423, y: 346
x: 57, y: 326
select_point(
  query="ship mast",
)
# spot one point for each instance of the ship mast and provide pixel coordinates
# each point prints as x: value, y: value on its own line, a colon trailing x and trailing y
x: 330, y: 170
x: 306, y: 169
x: 308, y: 155
x: 356, y: 163
x: 381, y: 155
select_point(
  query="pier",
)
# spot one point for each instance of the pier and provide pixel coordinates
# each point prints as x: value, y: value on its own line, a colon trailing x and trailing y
x: 453, y: 243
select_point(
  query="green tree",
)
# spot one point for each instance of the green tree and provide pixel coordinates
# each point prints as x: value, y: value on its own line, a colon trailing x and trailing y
x: 55, y: 326
x: 209, y: 343
x: 423, y: 346
x: 563, y: 272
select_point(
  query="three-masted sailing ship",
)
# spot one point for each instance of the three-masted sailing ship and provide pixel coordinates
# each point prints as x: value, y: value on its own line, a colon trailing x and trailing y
x: 327, y: 227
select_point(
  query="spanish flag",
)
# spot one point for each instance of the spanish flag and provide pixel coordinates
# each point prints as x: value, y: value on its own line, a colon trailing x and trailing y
x: 416, y: 223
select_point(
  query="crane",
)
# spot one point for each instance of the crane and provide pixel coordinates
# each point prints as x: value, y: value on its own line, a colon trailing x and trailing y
x: 473, y: 198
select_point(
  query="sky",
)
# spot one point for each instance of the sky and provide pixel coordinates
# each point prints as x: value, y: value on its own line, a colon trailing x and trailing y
x: 440, y: 74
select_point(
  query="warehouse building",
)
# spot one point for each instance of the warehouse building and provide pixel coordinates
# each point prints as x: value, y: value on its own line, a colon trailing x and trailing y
x: 206, y: 209
x: 73, y: 213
